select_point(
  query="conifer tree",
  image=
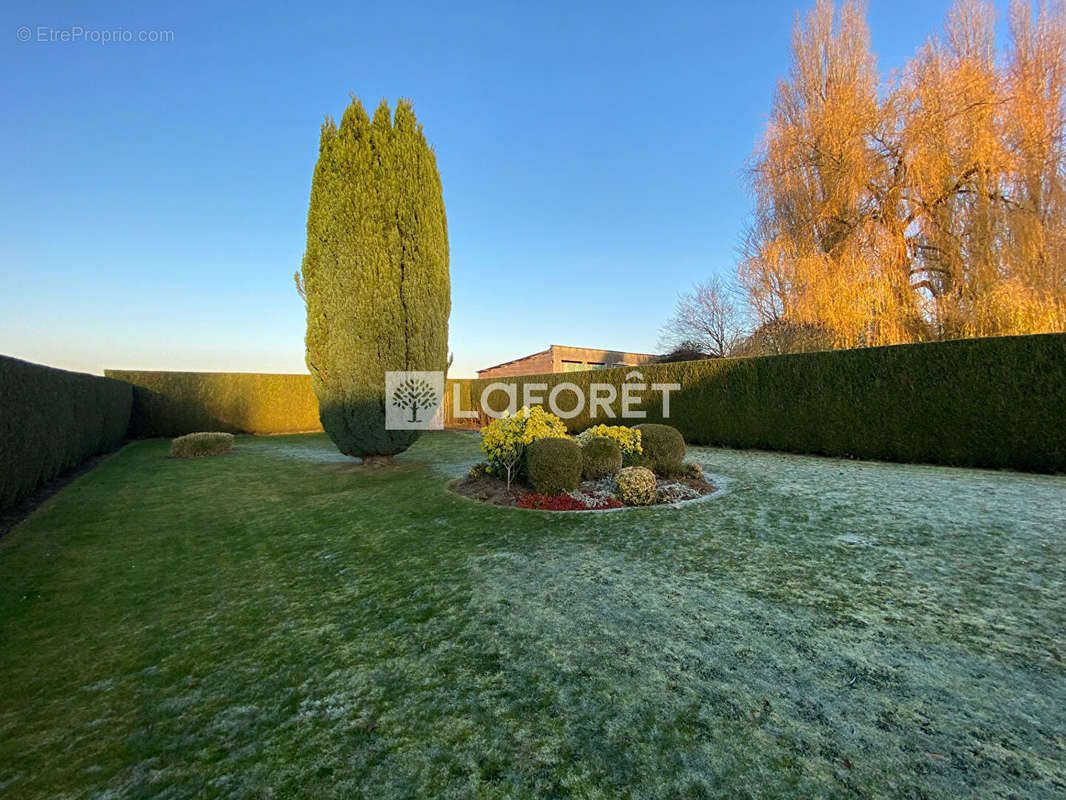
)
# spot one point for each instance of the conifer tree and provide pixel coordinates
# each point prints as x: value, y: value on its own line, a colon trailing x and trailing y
x: 374, y: 274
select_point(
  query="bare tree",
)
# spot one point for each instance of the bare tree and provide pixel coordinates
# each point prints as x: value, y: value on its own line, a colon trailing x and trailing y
x: 707, y: 319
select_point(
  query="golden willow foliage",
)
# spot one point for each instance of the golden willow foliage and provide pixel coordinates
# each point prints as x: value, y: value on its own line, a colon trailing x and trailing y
x: 928, y: 206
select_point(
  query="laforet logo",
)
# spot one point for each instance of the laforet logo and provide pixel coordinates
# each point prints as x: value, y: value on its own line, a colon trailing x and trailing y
x: 414, y: 400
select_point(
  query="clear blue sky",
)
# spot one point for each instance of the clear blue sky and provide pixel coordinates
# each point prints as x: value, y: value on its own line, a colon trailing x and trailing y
x: 155, y: 194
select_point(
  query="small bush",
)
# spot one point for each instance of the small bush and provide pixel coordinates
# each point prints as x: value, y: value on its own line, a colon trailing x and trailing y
x: 628, y: 439
x: 554, y: 465
x: 635, y: 486
x: 600, y: 456
x: 664, y: 448
x: 194, y: 445
x: 480, y: 470
x: 692, y: 470
x: 505, y: 440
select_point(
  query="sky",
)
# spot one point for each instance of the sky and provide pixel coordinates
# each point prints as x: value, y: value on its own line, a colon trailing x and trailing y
x: 154, y: 198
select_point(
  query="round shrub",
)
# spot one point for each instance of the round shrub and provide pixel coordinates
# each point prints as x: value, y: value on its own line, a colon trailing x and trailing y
x: 481, y: 469
x: 635, y: 486
x: 628, y: 439
x: 600, y: 456
x: 505, y: 440
x: 554, y: 465
x: 692, y: 470
x: 664, y: 448
x: 194, y: 445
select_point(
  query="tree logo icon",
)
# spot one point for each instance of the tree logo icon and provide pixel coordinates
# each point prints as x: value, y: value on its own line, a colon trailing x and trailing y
x: 413, y: 400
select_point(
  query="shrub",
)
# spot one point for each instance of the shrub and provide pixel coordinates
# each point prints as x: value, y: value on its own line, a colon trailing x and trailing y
x: 480, y: 470
x: 505, y: 440
x: 194, y: 445
x: 664, y: 448
x: 692, y: 470
x: 554, y: 465
x: 51, y: 420
x: 374, y: 273
x: 635, y: 486
x: 628, y: 439
x: 600, y: 456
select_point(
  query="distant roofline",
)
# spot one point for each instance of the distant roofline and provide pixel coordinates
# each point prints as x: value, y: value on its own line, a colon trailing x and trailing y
x: 515, y: 360
x: 604, y: 349
x: 568, y: 346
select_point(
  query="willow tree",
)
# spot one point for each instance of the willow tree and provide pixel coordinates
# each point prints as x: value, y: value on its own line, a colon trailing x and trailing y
x: 928, y: 206
x: 375, y: 273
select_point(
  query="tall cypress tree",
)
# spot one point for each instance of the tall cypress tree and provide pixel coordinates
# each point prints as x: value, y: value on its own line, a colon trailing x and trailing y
x: 375, y: 272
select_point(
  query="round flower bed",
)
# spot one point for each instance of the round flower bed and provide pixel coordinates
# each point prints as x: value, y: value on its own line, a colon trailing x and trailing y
x: 596, y: 495
x: 533, y: 463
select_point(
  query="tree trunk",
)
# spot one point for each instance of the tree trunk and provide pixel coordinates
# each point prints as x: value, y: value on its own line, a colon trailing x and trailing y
x: 373, y: 462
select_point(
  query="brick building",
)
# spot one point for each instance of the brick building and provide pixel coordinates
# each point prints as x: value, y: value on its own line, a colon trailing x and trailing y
x: 559, y: 358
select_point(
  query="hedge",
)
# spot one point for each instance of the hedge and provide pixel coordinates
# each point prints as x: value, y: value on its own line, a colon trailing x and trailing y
x: 175, y: 403
x: 995, y: 402
x: 51, y: 420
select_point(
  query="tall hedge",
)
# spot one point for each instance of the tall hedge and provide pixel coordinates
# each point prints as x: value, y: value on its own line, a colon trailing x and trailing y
x: 375, y: 272
x: 51, y: 420
x: 995, y: 402
x: 176, y: 403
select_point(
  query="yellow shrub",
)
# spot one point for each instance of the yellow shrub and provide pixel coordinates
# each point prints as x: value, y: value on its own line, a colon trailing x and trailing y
x: 504, y: 441
x: 628, y: 439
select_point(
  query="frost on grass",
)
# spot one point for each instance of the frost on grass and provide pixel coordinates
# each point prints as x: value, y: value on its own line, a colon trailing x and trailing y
x: 823, y: 628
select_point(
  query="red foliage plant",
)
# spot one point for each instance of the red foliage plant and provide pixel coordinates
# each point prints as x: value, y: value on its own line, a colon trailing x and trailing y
x: 562, y: 502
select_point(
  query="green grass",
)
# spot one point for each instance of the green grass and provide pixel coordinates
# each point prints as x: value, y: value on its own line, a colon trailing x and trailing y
x: 271, y: 624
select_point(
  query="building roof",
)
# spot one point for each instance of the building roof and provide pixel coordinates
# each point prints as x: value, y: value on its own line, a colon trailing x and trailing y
x: 568, y: 347
x: 515, y: 360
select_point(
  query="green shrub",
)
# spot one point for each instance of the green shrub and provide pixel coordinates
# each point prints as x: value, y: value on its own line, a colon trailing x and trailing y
x: 554, y: 465
x: 600, y: 456
x: 994, y: 402
x: 374, y: 272
x: 664, y: 448
x: 635, y: 486
x: 628, y: 439
x: 194, y: 445
x: 505, y: 439
x: 692, y: 470
x: 480, y: 470
x: 51, y: 420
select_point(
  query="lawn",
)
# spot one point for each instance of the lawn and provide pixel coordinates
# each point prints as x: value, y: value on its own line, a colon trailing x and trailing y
x: 274, y: 623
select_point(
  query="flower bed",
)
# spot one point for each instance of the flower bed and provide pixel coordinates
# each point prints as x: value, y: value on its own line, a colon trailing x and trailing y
x: 597, y: 495
x: 532, y: 463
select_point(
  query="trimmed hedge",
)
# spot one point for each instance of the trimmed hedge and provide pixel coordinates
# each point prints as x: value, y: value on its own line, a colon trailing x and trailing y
x: 51, y: 420
x: 175, y: 403
x: 994, y: 402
